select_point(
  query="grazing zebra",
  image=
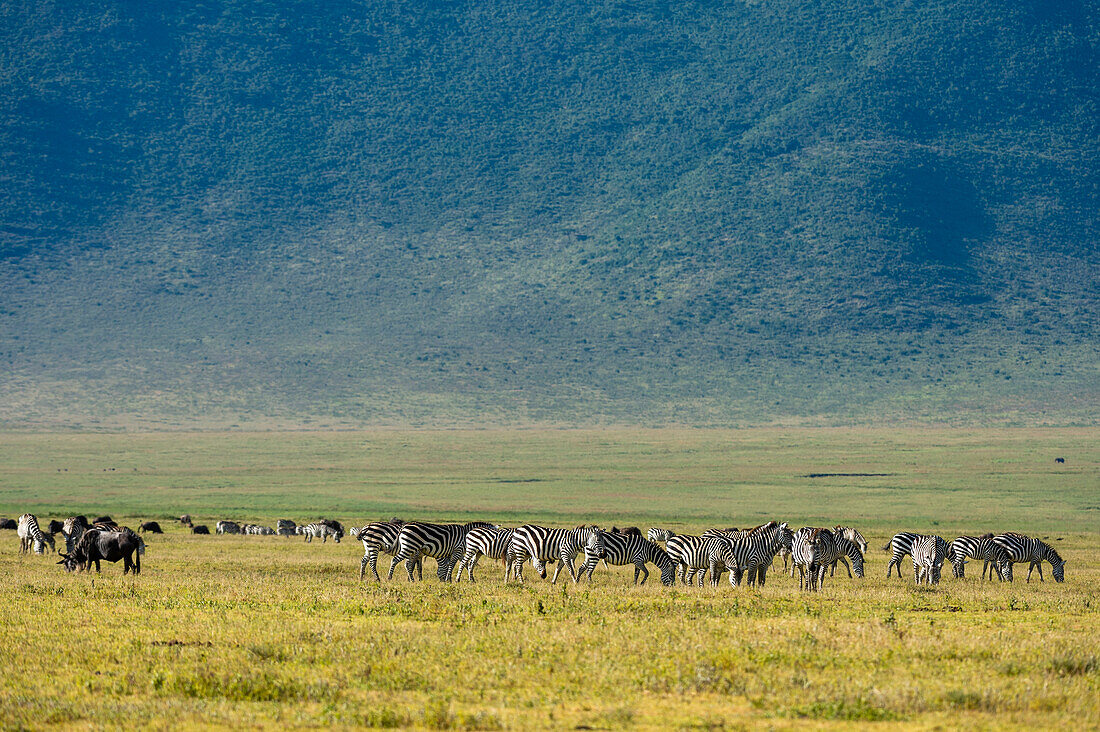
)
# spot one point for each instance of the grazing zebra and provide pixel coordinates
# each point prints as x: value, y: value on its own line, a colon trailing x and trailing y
x: 929, y: 553
x: 900, y: 545
x: 228, y: 527
x: 696, y: 555
x: 981, y: 547
x: 622, y: 548
x: 73, y: 528
x: 1022, y: 548
x: 852, y: 535
x: 820, y: 549
x: 490, y: 542
x: 443, y: 542
x: 542, y: 545
x: 30, y: 535
x: 380, y: 537
x: 321, y: 531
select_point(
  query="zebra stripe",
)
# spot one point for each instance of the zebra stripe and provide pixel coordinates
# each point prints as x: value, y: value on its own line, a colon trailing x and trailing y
x: 541, y: 544
x: 981, y: 547
x: 442, y: 542
x: 929, y: 553
x: 491, y: 542
x: 1022, y: 548
x: 620, y: 549
x: 31, y: 535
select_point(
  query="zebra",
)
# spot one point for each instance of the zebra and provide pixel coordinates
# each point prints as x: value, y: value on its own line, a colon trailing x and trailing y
x: 820, y: 549
x: 929, y: 553
x: 30, y: 535
x: 285, y: 527
x: 619, y: 549
x: 228, y: 527
x: 72, y: 529
x: 696, y: 555
x: 1022, y: 548
x: 852, y: 535
x: 981, y: 547
x: 900, y: 545
x: 541, y: 545
x: 491, y: 542
x: 380, y: 537
x: 321, y: 531
x: 754, y: 549
x: 442, y: 542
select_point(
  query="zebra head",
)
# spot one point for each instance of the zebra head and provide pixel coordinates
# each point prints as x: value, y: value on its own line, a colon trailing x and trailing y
x: 1058, y: 570
x: 668, y: 570
x: 595, y: 546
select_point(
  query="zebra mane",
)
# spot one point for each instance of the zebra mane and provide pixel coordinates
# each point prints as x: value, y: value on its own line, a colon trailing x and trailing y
x: 762, y: 528
x: 814, y: 534
x: 1051, y: 553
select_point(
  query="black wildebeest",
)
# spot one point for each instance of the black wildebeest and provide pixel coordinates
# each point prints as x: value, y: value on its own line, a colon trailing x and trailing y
x: 9, y: 524
x: 151, y: 526
x: 96, y: 545
x: 200, y: 529
x: 1060, y: 460
x: 55, y: 526
x: 104, y: 520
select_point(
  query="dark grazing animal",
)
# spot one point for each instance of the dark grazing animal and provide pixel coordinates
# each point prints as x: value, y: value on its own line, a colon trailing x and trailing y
x: 1060, y: 460
x: 104, y: 520
x: 9, y: 524
x: 55, y: 526
x: 628, y: 531
x: 185, y: 519
x: 151, y: 526
x: 96, y: 545
x: 200, y: 529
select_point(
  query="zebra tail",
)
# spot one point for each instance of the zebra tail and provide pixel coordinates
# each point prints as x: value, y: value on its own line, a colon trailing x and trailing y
x: 887, y: 547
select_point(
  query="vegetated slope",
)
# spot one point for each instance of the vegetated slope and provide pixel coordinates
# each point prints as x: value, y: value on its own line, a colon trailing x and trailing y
x: 291, y: 213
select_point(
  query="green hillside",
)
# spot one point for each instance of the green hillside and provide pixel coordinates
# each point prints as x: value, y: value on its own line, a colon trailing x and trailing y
x: 301, y: 214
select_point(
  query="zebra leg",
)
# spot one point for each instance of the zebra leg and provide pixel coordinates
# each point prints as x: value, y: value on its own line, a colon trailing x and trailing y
x: 761, y: 575
x: 373, y: 561
x: 393, y: 565
x: 362, y: 567
x: 470, y: 564
x: 645, y: 572
x: 843, y: 561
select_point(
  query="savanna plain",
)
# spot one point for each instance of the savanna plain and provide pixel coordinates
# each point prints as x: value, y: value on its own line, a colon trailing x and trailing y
x: 271, y: 632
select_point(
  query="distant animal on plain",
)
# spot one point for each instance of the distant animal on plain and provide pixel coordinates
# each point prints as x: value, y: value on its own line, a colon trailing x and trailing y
x: 54, y: 526
x: 200, y: 529
x: 1060, y: 460
x: 104, y: 520
x: 185, y: 519
x: 151, y: 526
x: 228, y: 527
x: 9, y: 524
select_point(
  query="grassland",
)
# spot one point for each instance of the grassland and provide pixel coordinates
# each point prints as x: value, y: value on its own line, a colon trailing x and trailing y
x: 266, y: 631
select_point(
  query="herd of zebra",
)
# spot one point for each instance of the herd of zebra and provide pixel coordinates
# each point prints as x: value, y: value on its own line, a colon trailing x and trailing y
x: 746, y: 554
